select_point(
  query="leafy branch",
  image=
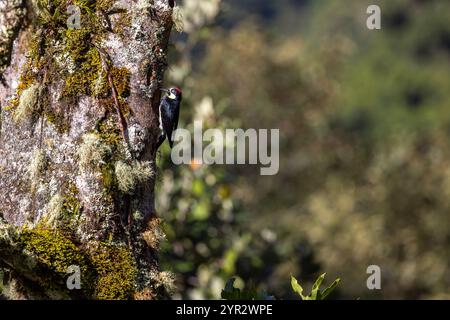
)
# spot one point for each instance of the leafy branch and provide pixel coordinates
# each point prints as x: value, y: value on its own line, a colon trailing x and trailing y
x: 230, y: 292
x: 315, y: 294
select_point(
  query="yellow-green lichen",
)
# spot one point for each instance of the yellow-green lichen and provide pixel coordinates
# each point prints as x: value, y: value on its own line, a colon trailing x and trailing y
x: 63, y: 209
x: 28, y: 77
x: 28, y: 104
x: 130, y: 175
x: 92, y: 152
x: 102, y: 149
x: 109, y: 132
x: 37, y: 167
x: 54, y: 211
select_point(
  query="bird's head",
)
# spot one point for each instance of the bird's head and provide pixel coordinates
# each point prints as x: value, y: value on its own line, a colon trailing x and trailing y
x: 173, y: 93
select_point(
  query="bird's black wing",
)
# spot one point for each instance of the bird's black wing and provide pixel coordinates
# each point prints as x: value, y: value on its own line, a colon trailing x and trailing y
x: 176, y: 115
x: 175, y: 119
x: 167, y: 117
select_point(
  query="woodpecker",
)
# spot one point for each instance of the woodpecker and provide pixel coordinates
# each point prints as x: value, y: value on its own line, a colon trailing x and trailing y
x: 169, y: 112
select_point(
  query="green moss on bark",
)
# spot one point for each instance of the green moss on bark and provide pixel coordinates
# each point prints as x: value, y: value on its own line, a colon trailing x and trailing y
x: 107, y: 270
x: 72, y: 56
x: 57, y: 253
x: 116, y: 272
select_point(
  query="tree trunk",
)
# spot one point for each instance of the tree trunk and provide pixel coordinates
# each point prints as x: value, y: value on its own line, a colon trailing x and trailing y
x: 78, y: 132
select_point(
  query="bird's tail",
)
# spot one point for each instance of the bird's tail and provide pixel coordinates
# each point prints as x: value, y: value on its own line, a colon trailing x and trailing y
x: 160, y: 141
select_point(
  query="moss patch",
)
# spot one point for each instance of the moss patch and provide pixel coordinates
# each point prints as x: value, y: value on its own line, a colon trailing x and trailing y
x: 121, y: 80
x: 107, y: 270
x: 116, y: 270
x: 71, y: 56
x: 57, y: 252
x: 71, y: 205
x: 85, y: 79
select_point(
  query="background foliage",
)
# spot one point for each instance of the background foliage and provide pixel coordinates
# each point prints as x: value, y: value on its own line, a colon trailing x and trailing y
x: 364, y: 118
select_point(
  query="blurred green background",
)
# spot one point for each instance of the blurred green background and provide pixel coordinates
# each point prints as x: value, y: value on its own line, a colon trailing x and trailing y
x: 364, y: 119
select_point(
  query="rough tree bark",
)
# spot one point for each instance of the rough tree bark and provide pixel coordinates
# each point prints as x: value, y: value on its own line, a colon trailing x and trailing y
x: 79, y: 125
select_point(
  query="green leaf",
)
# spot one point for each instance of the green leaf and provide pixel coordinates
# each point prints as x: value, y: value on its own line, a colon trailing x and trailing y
x: 319, y: 281
x: 297, y: 287
x: 328, y: 290
x: 315, y: 292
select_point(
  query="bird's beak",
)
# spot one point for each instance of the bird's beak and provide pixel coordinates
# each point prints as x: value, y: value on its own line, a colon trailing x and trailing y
x: 164, y: 90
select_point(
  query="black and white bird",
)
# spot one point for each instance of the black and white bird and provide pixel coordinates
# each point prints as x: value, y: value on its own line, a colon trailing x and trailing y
x: 169, y: 112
